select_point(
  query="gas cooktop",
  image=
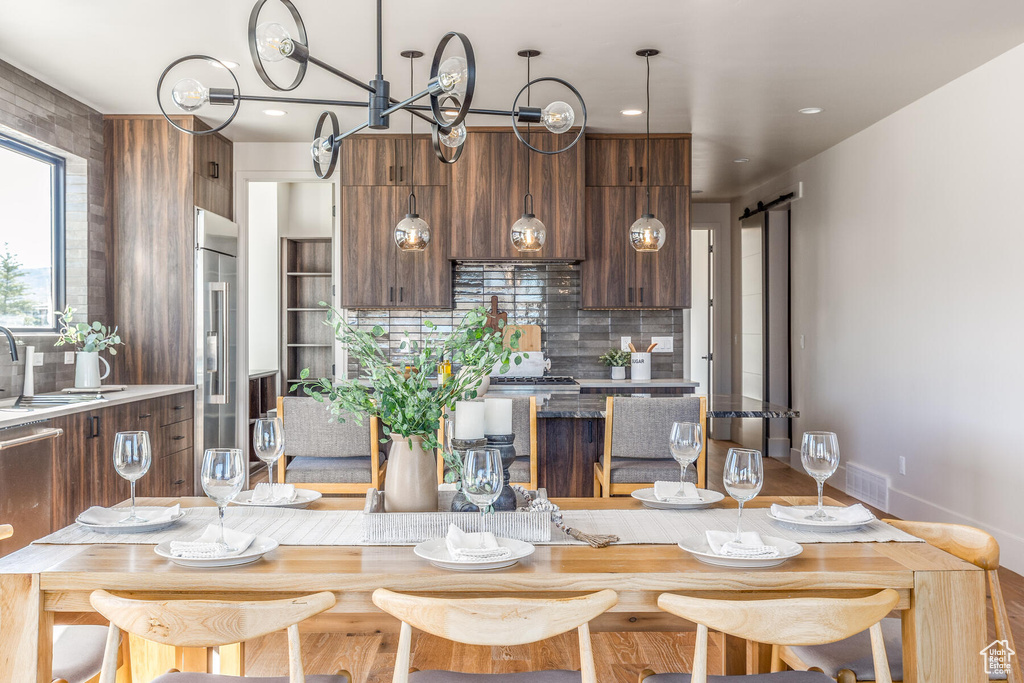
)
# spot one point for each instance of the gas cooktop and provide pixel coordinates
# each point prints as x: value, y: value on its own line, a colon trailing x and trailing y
x: 546, y: 382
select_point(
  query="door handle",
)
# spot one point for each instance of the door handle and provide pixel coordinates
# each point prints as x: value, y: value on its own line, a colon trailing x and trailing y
x: 214, y: 169
x: 217, y: 347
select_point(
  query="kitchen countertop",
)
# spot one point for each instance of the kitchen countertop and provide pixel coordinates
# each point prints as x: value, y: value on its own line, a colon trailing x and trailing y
x: 592, y: 406
x: 13, y: 417
x: 626, y: 384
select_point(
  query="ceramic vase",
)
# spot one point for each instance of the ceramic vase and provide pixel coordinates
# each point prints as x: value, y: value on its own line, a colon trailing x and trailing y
x: 87, y: 369
x: 411, y: 484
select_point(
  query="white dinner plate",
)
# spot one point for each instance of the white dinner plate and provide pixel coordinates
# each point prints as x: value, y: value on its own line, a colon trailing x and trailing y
x: 708, y: 498
x: 134, y: 528
x: 436, y: 552
x: 260, y: 546
x: 303, y: 499
x: 699, y: 548
x: 816, y: 525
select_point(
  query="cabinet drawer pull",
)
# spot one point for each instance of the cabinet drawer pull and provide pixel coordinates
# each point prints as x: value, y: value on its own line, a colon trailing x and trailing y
x: 641, y: 174
x: 179, y: 407
x: 179, y: 482
x: 391, y: 174
x: 391, y: 294
x: 401, y: 294
x: 401, y: 173
x: 143, y: 417
x: 214, y: 170
x: 641, y: 295
x: 177, y: 438
x: 630, y: 178
x: 630, y: 295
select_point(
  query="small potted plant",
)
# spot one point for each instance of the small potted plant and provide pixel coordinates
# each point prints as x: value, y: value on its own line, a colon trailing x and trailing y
x: 88, y: 341
x: 618, y: 361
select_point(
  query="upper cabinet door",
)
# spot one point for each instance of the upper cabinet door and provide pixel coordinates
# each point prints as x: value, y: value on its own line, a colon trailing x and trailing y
x: 424, y: 278
x: 611, y: 162
x: 556, y: 181
x: 212, y: 162
x: 429, y: 170
x: 368, y: 218
x: 669, y: 163
x: 663, y: 277
x: 487, y: 188
x: 607, y: 278
x: 368, y: 160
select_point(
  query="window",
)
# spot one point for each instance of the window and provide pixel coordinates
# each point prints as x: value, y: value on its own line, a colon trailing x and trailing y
x: 31, y: 237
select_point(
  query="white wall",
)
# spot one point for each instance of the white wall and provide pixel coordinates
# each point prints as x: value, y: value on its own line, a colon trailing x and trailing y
x: 263, y: 245
x: 908, y: 283
x: 306, y: 211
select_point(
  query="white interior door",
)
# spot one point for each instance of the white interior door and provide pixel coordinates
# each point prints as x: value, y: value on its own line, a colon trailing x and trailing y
x: 701, y: 310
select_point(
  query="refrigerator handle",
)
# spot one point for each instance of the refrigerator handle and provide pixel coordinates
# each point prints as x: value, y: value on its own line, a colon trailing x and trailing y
x: 219, y: 385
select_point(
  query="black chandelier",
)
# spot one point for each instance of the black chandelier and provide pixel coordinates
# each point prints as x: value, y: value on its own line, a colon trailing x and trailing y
x: 449, y: 89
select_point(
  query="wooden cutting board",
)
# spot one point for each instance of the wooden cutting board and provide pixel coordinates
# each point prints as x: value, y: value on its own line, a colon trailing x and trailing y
x: 529, y: 339
x: 494, y: 316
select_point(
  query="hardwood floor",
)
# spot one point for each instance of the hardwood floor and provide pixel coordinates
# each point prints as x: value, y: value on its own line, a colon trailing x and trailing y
x: 620, y: 656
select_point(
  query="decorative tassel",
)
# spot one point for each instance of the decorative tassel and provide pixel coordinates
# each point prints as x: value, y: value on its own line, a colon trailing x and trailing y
x: 593, y: 540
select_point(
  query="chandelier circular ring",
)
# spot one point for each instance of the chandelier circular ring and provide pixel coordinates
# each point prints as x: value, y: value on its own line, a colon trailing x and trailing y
x: 213, y: 60
x: 257, y: 61
x: 435, y: 137
x: 579, y: 97
x: 435, y: 65
x: 335, y: 148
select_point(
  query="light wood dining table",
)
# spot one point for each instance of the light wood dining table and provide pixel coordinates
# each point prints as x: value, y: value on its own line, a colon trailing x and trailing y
x: 942, y: 598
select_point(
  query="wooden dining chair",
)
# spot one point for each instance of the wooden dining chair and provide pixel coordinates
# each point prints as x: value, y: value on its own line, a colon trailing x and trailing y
x: 524, y: 426
x: 846, y: 661
x: 779, y: 622
x: 494, y: 622
x: 78, y: 649
x: 325, y: 455
x: 636, y: 436
x: 211, y: 623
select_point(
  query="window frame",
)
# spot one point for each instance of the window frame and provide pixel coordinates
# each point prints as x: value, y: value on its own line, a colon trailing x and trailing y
x: 58, y: 225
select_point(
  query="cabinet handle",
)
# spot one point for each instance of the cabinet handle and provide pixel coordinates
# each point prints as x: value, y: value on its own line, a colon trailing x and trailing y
x: 630, y: 295
x: 177, y: 438
x: 214, y: 169
x: 391, y: 294
x: 179, y: 407
x: 94, y: 423
x: 143, y: 417
x: 401, y: 173
x: 630, y: 177
x: 641, y: 173
x: 641, y: 295
x: 590, y: 425
x: 179, y: 482
x: 401, y: 294
x: 391, y: 174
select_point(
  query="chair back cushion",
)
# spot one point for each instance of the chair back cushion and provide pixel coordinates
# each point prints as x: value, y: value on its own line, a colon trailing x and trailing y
x: 311, y: 430
x: 521, y: 426
x: 641, y: 426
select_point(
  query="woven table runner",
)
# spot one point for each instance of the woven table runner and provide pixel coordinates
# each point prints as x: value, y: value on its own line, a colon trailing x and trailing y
x: 344, y: 528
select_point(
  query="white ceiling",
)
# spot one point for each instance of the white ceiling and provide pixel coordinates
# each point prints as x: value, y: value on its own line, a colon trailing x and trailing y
x: 733, y: 72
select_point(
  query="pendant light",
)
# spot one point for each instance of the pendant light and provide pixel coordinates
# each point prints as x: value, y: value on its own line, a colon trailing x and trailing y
x: 528, y: 233
x: 647, y: 233
x: 412, y: 232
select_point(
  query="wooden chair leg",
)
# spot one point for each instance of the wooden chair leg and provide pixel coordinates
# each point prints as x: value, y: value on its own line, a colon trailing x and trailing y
x: 597, y: 484
x: 345, y: 673
x: 644, y: 674
x: 846, y: 676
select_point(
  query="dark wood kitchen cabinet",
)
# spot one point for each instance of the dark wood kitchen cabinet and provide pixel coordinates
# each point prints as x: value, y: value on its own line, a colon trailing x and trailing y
x: 621, y: 160
x: 84, y: 473
x: 378, y: 160
x: 156, y: 176
x: 489, y: 182
x: 569, y: 448
x: 374, y: 272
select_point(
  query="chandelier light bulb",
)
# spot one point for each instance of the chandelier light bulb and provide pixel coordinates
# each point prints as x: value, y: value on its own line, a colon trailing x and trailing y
x: 528, y: 233
x: 453, y: 75
x: 455, y: 138
x: 647, y: 233
x: 189, y: 94
x: 558, y: 117
x: 412, y: 233
x: 273, y: 42
x: 321, y: 149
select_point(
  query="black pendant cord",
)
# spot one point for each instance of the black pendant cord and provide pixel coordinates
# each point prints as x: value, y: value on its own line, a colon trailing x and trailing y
x: 648, y: 59
x: 412, y: 144
x: 529, y: 179
x: 380, y: 44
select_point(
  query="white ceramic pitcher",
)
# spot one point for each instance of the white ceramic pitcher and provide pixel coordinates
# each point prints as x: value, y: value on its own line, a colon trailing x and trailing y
x: 87, y: 369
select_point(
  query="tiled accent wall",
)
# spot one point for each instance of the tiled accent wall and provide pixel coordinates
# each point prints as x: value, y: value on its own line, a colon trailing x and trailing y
x: 34, y: 112
x: 545, y: 294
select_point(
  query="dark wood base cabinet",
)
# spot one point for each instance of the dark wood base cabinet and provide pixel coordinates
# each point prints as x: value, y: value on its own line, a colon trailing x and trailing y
x: 568, y: 449
x: 83, y: 472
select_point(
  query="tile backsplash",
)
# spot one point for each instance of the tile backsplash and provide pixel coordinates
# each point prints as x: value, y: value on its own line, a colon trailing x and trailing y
x: 545, y: 294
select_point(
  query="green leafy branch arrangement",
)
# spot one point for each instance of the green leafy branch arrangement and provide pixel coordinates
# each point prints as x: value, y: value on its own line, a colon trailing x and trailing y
x: 615, y: 358
x: 86, y: 337
x: 411, y: 406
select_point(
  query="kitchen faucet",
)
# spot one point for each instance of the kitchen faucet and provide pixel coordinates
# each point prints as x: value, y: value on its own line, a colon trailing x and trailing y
x: 10, y: 341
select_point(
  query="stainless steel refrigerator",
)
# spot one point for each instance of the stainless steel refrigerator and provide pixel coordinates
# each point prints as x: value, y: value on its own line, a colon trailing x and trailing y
x: 219, y: 409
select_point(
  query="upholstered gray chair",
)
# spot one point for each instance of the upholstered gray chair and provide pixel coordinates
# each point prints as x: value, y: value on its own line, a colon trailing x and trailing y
x: 325, y: 455
x: 636, y: 449
x: 524, y: 426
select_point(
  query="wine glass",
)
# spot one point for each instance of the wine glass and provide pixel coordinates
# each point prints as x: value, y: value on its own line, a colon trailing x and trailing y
x: 268, y: 442
x: 686, y: 443
x: 132, y: 458
x: 819, y: 453
x: 482, y: 476
x: 743, y: 477
x: 223, y: 478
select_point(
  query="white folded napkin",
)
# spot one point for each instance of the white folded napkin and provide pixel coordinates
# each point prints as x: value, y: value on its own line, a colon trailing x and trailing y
x: 206, y: 547
x: 101, y: 516
x: 854, y: 514
x: 273, y: 494
x: 676, y: 492
x: 474, y: 547
x: 750, y: 545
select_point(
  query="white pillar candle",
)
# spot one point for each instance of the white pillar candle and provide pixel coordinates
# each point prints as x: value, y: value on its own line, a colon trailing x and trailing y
x: 469, y: 420
x: 497, y: 416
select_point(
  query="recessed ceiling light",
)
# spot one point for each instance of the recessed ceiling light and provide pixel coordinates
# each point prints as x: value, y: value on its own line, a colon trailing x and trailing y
x: 224, y: 62
x: 741, y: 160
x: 632, y: 112
x: 274, y: 112
x: 811, y: 110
